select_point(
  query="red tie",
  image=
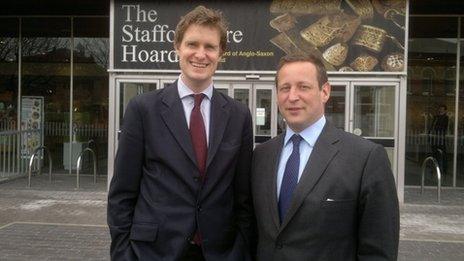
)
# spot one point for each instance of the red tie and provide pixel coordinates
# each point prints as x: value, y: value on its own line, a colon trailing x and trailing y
x: 198, y: 134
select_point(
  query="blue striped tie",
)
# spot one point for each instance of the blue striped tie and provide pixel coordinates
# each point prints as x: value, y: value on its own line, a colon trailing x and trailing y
x: 290, y: 179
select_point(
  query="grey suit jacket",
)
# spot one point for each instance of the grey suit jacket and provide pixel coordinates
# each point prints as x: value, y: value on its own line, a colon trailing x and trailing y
x: 345, y: 206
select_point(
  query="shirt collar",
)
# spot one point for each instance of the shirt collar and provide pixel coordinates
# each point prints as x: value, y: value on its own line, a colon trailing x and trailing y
x: 184, y: 90
x: 310, y: 134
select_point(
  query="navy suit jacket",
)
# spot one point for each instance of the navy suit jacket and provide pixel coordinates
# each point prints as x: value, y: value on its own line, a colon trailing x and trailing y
x: 156, y: 199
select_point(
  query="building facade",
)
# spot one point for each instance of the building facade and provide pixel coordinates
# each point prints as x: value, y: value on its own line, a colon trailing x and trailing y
x: 67, y: 73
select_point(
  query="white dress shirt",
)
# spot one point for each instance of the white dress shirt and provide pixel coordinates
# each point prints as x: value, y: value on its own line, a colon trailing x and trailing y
x: 185, y: 94
x: 310, y: 136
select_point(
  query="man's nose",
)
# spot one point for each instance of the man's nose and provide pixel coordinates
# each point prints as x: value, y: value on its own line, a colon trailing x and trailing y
x: 200, y: 53
x: 293, y: 94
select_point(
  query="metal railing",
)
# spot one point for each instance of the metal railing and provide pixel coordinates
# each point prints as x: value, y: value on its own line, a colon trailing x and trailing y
x: 438, y: 173
x: 31, y: 162
x: 15, y: 152
x: 79, y: 161
x: 52, y: 129
x: 6, y: 125
x: 9, y: 149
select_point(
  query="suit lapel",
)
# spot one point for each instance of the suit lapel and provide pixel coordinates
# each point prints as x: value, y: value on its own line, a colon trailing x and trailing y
x: 219, y: 118
x: 173, y: 115
x: 220, y: 112
x: 272, y: 181
x: 323, y: 152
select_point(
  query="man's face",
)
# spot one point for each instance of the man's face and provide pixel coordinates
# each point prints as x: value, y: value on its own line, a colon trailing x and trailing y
x: 441, y: 110
x: 299, y: 98
x: 199, y: 53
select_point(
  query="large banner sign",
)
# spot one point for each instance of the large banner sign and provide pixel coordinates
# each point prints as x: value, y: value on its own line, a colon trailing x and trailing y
x: 349, y: 35
x: 32, y: 119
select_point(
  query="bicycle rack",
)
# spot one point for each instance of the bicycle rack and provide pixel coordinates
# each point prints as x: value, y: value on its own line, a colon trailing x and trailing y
x: 438, y: 172
x: 31, y: 162
x: 79, y: 161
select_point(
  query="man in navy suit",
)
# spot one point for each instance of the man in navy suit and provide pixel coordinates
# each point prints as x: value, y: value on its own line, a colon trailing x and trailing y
x: 181, y: 185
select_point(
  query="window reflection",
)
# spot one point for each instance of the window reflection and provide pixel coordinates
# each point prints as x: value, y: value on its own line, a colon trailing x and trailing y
x: 263, y: 112
x: 46, y: 57
x: 374, y: 111
x: 460, y: 144
x: 129, y: 90
x: 223, y: 91
x: 90, y: 88
x: 335, y: 107
x: 8, y: 73
x: 431, y: 96
x: 242, y: 95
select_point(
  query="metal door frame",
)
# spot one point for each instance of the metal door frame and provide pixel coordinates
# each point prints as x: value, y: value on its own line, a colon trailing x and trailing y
x: 252, y: 86
x: 115, y: 81
x: 345, y: 83
x: 265, y: 86
x: 398, y: 148
x: 374, y: 83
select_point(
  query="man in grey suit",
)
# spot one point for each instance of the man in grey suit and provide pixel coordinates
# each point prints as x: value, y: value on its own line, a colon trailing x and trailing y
x: 320, y: 193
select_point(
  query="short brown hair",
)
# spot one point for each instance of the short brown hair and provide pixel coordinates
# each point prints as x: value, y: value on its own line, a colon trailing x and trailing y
x: 292, y: 58
x: 206, y: 17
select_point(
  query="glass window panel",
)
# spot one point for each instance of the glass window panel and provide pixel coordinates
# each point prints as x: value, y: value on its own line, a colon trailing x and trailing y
x: 335, y: 107
x: 263, y: 112
x: 129, y: 90
x: 222, y: 90
x: 90, y: 88
x: 432, y: 27
x: 374, y: 111
x: 9, y: 28
x: 242, y: 95
x: 460, y: 156
x: 91, y: 27
x: 431, y: 85
x: 46, y: 74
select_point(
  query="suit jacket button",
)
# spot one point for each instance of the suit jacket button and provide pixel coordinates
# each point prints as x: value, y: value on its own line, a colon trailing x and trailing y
x: 279, y: 245
x: 199, y: 208
x: 196, y: 179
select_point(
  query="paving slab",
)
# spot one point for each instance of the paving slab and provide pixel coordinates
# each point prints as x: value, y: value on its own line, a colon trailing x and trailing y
x: 47, y: 241
x: 56, y: 221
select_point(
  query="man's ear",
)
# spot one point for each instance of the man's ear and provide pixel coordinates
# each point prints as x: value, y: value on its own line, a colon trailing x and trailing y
x: 326, y: 88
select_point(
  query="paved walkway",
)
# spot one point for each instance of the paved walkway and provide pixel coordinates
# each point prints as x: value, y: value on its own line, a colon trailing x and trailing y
x: 58, y: 222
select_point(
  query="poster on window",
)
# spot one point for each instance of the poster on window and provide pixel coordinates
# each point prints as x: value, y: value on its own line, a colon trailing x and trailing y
x: 348, y: 35
x: 32, y: 119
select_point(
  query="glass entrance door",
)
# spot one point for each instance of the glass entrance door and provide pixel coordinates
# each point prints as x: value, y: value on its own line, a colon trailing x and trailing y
x: 264, y: 110
x: 130, y: 89
x: 338, y: 105
x: 368, y: 109
x: 365, y: 108
x: 260, y: 99
x: 125, y: 90
x: 373, y: 114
